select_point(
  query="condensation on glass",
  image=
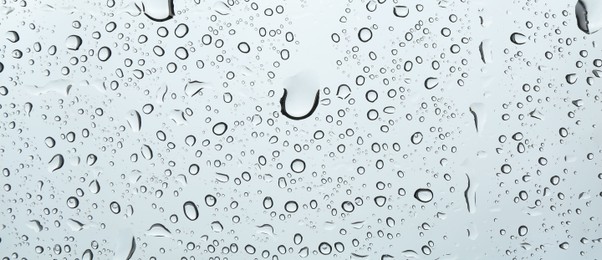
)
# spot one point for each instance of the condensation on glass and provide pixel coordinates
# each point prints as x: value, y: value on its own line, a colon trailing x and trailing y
x: 241, y: 129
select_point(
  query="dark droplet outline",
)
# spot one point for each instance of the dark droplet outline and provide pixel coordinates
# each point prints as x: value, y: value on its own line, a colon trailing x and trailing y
x: 283, y: 106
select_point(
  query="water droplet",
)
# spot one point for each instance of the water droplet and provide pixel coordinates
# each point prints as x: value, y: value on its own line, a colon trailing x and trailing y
x: 73, y: 42
x: 104, y: 53
x: 158, y: 11
x: 244, y: 47
x: 190, y: 210
x: 348, y: 206
x: 220, y: 128
x: 72, y: 202
x: 210, y: 200
x: 416, y: 138
x: 288, y: 114
x: 380, y: 200
x: 217, y: 227
x: 115, y: 207
x: 146, y: 152
x: 56, y: 163
x: 298, y: 166
x: 291, y: 206
x: 364, y: 34
x: 564, y: 245
x: 588, y: 15
x: 522, y: 230
x: 506, y: 168
x: 181, y: 30
x: 431, y: 83
x: 423, y: 195
x: 158, y: 230
x: 325, y: 248
x: 518, y: 38
x: 401, y: 11
x: 88, y: 255
x: 94, y: 187
x: 268, y: 202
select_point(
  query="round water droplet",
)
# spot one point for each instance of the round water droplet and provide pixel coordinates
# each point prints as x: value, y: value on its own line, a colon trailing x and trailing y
x: 380, y: 200
x: 72, y: 202
x: 297, y: 239
x: 348, y: 206
x: 506, y: 168
x: 542, y: 161
x: 423, y: 195
x: 220, y: 128
x: 210, y: 200
x: 426, y: 250
x: 555, y: 180
x: 298, y: 165
x: 115, y: 207
x: 190, y: 140
x: 181, y: 30
x: 325, y: 248
x: 244, y: 47
x: 416, y: 138
x: 104, y: 53
x: 181, y: 53
x: 365, y: 34
x: 291, y: 206
x: 50, y: 142
x: 268, y: 203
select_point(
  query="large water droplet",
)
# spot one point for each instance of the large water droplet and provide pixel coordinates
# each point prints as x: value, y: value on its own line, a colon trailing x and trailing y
x: 104, y: 53
x: 295, y: 103
x: 291, y: 206
x: 298, y: 165
x: 423, y: 195
x: 190, y: 210
x: 401, y: 11
x: 157, y: 10
x: 364, y: 34
x: 589, y: 15
x: 73, y: 42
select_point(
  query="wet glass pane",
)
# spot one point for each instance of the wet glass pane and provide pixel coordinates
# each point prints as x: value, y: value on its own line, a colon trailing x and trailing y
x: 241, y: 129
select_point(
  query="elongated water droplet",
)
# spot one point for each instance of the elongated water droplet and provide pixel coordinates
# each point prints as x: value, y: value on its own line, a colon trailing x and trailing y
x: 190, y: 210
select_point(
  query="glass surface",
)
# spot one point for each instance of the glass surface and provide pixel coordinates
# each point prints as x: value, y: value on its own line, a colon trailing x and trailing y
x: 388, y: 129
